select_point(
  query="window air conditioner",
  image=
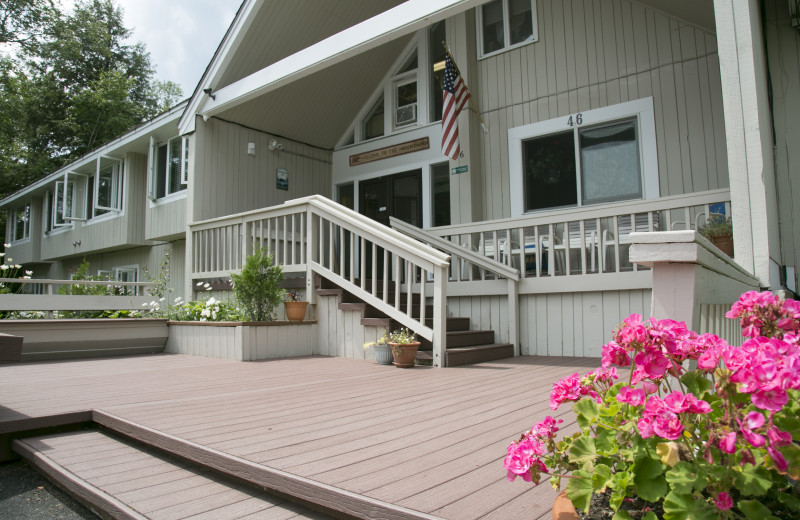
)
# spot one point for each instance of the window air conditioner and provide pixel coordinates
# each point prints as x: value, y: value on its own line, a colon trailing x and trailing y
x: 406, y: 115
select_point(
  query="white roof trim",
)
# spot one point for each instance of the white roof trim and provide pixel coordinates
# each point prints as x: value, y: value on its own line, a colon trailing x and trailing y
x: 142, y: 130
x: 230, y: 43
x: 399, y: 21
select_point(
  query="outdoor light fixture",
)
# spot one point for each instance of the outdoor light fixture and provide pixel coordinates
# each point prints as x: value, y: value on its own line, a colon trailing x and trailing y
x: 208, y: 91
x: 275, y: 145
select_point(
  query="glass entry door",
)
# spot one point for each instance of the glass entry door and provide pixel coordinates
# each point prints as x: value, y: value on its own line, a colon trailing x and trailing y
x: 398, y: 196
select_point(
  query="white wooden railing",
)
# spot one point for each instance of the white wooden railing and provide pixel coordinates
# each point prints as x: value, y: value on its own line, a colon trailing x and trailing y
x: 315, y: 235
x: 579, y: 241
x: 42, y: 295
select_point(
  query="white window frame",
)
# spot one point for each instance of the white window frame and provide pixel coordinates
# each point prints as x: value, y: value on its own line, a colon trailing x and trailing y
x: 640, y: 109
x: 152, y: 166
x: 26, y: 234
x: 127, y: 269
x: 506, y: 30
x: 117, y: 191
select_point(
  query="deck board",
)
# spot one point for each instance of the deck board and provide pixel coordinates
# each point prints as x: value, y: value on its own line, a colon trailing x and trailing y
x: 426, y: 439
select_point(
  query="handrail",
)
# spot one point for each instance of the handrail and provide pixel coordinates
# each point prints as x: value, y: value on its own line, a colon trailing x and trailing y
x: 481, y: 261
x: 319, y: 236
x: 45, y: 281
x: 587, y: 213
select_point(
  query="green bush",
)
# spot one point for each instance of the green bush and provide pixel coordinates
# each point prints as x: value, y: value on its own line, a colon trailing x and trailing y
x: 258, y: 287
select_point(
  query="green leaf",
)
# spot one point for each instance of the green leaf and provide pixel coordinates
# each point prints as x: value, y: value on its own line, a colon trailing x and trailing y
x: 605, y: 441
x: 622, y: 515
x: 586, y: 410
x: 696, y: 383
x: 678, y: 506
x: 753, y: 480
x: 579, y: 489
x: 582, y: 450
x: 650, y: 516
x: 683, y: 478
x: 649, y: 480
x: 754, y: 510
x: 601, y: 478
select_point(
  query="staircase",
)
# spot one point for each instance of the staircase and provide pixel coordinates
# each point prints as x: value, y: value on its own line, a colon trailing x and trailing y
x: 464, y: 346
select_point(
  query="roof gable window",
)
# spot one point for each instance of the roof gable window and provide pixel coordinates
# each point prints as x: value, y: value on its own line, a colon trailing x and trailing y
x: 505, y: 24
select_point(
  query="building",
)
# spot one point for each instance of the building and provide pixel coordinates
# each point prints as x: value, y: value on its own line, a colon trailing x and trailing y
x: 592, y: 119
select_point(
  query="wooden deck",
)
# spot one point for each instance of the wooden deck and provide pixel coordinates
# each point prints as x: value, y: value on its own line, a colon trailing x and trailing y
x: 362, y: 439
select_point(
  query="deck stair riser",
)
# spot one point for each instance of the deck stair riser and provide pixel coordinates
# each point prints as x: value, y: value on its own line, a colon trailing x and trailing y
x: 124, y: 480
x: 336, y: 501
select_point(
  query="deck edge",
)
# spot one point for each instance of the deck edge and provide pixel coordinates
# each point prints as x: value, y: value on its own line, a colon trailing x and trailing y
x: 328, y: 497
x: 94, y: 497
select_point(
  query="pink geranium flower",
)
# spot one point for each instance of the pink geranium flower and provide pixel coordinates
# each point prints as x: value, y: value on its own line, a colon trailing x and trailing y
x: 723, y: 501
x: 631, y: 396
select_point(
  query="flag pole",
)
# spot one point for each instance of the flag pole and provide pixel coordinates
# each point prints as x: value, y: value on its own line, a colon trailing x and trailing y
x: 471, y: 101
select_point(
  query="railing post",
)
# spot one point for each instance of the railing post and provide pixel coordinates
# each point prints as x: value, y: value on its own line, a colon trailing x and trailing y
x: 311, y: 245
x: 439, y: 316
x: 513, y: 314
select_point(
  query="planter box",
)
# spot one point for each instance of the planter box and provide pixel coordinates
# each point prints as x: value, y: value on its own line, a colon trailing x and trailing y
x: 65, y: 339
x: 242, y: 341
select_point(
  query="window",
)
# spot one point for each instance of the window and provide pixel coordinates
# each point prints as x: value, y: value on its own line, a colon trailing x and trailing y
x: 22, y: 223
x: 62, y: 204
x: 404, y: 86
x: 106, y: 188
x: 373, y: 123
x: 128, y: 273
x: 47, y: 214
x: 503, y: 24
x: 169, y: 167
x: 593, y: 157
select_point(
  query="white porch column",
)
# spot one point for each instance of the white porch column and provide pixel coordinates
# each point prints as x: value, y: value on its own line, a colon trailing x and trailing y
x: 748, y: 135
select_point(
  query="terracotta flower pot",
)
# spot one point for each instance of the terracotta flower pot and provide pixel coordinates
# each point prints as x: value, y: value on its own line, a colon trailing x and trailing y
x: 563, y: 508
x: 724, y: 243
x: 295, y: 311
x: 404, y: 354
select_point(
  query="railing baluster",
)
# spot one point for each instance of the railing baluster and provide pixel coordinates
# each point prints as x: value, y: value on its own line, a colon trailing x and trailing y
x: 409, y: 288
x: 397, y: 286
x: 616, y: 244
x: 386, y: 256
x: 374, y: 282
x: 567, y: 240
x: 285, y: 235
x: 582, y: 242
x: 331, y: 235
x: 353, y: 238
x: 341, y: 252
x: 363, y: 261
x: 422, y: 299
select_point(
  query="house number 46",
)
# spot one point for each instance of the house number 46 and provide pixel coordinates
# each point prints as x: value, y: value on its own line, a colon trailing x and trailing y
x: 577, y: 119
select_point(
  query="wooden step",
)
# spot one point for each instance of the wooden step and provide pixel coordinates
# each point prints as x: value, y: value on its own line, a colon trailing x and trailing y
x: 123, y: 479
x: 323, y: 497
x: 459, y: 356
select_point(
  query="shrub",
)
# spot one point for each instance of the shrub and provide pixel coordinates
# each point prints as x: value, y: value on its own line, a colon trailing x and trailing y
x: 258, y: 287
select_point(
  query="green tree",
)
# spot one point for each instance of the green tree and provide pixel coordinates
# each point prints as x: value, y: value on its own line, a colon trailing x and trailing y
x: 74, y: 84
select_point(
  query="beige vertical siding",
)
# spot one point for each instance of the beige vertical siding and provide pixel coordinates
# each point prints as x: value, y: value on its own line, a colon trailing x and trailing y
x: 226, y: 180
x: 341, y: 332
x: 575, y: 324
x: 783, y: 49
x: 147, y: 257
x: 596, y: 53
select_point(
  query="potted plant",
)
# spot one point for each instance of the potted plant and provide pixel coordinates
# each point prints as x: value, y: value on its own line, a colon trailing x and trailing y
x: 295, y: 306
x: 383, y: 351
x: 404, y: 347
x: 719, y: 231
x: 694, y: 429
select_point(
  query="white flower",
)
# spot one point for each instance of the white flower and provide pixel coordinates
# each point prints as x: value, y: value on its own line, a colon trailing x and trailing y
x: 4, y: 267
x: 9, y: 260
x: 26, y: 277
x: 178, y: 300
x: 199, y: 284
x: 17, y: 266
x: 6, y: 245
x: 145, y: 304
x: 161, y: 299
x: 205, y: 312
x: 2, y: 254
x: 29, y: 273
x: 211, y: 301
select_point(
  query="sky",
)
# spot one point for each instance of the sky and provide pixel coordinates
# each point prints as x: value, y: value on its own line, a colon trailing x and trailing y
x: 180, y: 35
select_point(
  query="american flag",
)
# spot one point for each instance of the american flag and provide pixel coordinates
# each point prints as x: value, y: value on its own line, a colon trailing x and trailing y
x: 455, y: 96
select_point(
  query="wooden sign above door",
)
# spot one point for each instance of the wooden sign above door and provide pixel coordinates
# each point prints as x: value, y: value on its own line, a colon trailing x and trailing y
x: 390, y: 151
